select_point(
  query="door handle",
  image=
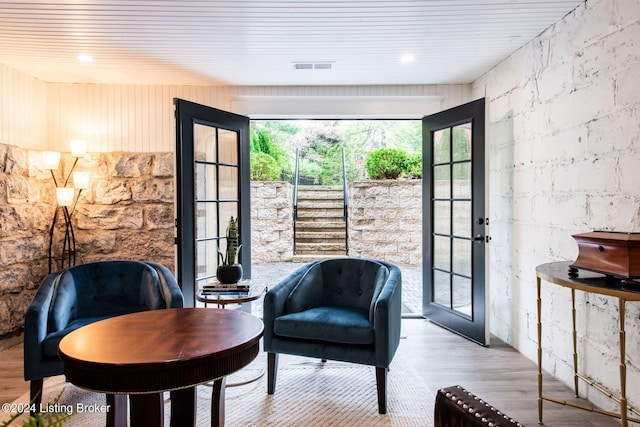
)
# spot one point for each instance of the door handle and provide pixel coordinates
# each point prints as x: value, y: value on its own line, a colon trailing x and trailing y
x: 479, y: 238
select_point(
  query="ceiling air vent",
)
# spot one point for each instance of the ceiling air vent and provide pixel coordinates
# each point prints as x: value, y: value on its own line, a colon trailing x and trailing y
x: 312, y: 65
x: 303, y: 66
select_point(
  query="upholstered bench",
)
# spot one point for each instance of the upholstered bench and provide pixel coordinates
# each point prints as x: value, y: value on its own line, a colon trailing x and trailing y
x: 456, y: 407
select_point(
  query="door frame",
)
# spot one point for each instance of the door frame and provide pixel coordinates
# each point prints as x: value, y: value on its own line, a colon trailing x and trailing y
x: 187, y: 114
x: 477, y: 327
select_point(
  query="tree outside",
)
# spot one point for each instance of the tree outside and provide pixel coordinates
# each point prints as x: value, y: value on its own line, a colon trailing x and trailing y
x: 320, y: 144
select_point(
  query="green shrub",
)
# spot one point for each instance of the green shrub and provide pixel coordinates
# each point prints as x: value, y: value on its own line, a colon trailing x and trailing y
x: 386, y: 163
x: 414, y: 166
x: 264, y: 167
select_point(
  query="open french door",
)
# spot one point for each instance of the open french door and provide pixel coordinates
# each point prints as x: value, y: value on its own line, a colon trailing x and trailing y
x: 212, y: 184
x: 455, y: 225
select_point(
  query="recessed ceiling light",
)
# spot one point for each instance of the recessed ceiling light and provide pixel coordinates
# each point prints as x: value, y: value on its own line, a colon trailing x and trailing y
x: 83, y: 57
x: 407, y: 58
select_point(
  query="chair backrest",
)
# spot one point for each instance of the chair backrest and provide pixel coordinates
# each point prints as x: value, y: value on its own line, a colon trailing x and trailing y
x: 345, y: 282
x: 104, y: 288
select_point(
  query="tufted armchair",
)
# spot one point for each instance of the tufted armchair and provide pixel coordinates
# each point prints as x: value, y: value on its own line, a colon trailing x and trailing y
x: 76, y: 296
x: 345, y: 309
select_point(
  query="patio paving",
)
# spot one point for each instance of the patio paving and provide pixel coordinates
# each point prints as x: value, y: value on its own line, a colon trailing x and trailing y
x: 270, y: 274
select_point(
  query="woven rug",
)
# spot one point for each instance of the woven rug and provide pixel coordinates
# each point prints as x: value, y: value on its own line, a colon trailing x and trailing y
x: 308, y: 393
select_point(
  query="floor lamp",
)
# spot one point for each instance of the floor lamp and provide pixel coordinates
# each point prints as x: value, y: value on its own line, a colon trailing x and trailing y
x: 67, y: 199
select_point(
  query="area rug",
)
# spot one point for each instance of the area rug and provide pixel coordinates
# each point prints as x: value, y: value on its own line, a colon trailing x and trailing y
x: 308, y: 393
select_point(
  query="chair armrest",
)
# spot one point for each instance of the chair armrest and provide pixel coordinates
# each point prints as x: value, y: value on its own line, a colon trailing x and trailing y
x: 36, y: 321
x: 387, y: 317
x: 171, y: 292
x: 275, y: 300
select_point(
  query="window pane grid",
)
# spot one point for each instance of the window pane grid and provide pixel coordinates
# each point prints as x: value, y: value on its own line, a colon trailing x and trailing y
x: 452, y: 218
x: 217, y: 194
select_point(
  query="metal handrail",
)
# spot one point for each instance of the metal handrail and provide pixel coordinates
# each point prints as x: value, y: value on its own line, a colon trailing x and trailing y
x: 345, y: 214
x: 296, y: 175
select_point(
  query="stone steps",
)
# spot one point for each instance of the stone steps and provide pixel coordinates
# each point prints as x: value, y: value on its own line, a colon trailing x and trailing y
x: 320, y: 229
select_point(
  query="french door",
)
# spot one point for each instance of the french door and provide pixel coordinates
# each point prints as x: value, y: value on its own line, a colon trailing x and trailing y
x: 212, y: 184
x: 454, y: 221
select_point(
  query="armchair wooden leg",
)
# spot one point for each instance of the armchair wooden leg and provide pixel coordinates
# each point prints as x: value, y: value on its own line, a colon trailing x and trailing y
x: 36, y: 394
x: 272, y: 370
x: 381, y: 384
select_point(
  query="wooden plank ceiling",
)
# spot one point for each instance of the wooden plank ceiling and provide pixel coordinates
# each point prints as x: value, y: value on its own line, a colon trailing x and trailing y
x: 257, y: 42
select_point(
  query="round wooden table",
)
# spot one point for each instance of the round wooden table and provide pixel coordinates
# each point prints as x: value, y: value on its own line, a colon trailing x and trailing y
x: 143, y: 354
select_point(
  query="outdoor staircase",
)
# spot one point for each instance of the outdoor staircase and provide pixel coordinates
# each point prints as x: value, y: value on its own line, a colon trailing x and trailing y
x: 321, y: 231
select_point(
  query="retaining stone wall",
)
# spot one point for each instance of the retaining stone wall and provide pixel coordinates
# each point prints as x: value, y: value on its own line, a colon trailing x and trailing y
x: 385, y: 220
x: 271, y: 221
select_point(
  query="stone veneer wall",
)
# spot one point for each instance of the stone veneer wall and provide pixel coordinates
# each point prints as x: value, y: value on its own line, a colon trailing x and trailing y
x: 385, y: 220
x: 126, y: 213
x: 271, y: 221
x: 26, y: 210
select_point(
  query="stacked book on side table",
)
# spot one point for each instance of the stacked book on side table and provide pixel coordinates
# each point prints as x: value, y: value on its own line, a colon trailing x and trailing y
x: 216, y: 287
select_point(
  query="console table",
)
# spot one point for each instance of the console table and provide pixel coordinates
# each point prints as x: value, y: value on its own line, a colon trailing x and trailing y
x: 558, y: 273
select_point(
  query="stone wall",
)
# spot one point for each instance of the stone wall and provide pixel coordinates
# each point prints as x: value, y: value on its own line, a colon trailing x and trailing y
x: 564, y: 144
x: 26, y: 209
x: 271, y: 222
x: 385, y: 220
x: 127, y: 213
x: 129, y: 210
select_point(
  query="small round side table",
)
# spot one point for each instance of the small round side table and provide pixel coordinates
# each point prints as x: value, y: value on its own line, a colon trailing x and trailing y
x: 224, y: 298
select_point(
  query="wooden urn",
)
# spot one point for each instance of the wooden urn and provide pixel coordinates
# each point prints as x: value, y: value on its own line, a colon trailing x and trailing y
x: 612, y: 253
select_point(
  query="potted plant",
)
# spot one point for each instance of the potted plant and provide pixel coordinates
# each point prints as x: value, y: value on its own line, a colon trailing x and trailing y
x: 229, y: 271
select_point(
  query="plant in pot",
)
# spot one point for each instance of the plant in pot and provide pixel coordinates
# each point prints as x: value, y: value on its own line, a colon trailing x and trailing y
x: 229, y: 271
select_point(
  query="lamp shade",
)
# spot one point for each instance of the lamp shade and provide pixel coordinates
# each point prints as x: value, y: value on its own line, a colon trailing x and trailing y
x: 81, y: 179
x: 65, y: 196
x: 78, y: 147
x: 50, y: 160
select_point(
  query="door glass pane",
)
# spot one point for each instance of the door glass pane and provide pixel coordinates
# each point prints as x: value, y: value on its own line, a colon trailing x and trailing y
x: 206, y: 220
x: 442, y: 288
x: 462, y: 295
x: 442, y: 253
x: 441, y: 146
x: 205, y: 181
x: 462, y: 219
x: 206, y: 258
x: 228, y: 147
x: 442, y: 217
x: 462, y: 142
x: 442, y: 182
x: 204, y: 143
x: 228, y: 176
x: 462, y: 256
x: 462, y: 180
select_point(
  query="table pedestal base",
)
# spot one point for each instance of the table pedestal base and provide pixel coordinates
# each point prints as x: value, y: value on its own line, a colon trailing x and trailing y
x: 148, y: 409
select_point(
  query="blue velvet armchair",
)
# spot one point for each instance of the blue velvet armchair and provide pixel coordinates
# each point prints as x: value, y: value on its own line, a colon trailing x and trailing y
x: 345, y: 309
x: 76, y: 296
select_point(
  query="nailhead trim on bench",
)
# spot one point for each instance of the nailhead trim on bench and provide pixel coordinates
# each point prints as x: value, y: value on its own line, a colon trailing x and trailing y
x: 478, y: 407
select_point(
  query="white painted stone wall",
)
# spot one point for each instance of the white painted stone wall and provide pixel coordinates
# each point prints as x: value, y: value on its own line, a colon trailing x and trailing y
x: 564, y: 143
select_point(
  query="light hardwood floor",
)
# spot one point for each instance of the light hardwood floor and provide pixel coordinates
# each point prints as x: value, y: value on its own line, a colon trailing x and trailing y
x: 498, y: 374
